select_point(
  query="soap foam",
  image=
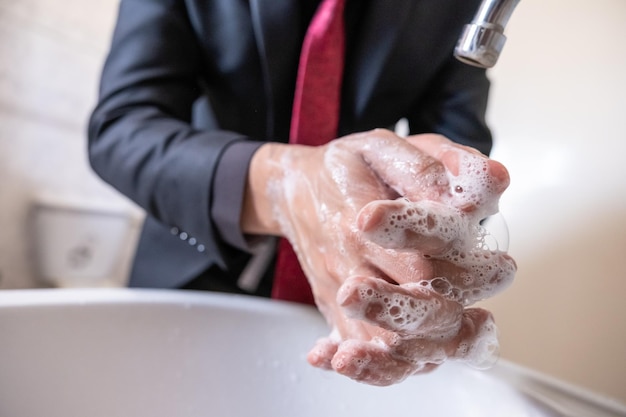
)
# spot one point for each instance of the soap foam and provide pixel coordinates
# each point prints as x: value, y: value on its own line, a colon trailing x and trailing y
x: 483, y: 350
x: 406, y: 313
x: 448, y: 230
x: 447, y: 234
x: 473, y: 186
x: 478, y: 347
x: 451, y: 223
x: 429, y: 221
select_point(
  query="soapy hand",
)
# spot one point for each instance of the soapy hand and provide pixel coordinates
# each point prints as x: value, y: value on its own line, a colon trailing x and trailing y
x: 387, y: 231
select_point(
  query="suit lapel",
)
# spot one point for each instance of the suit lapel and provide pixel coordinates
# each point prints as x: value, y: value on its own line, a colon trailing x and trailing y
x: 277, y: 27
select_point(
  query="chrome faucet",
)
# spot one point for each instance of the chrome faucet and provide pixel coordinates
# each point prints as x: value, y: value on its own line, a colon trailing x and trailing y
x: 482, y: 40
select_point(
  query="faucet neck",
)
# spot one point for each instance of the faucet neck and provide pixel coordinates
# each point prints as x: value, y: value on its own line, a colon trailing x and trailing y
x: 482, y: 40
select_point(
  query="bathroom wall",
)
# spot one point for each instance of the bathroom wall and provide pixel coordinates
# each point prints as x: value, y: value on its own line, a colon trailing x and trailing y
x: 50, y: 56
x: 557, y: 110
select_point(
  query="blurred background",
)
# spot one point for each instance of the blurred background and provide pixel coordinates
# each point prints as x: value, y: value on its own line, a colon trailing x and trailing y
x: 558, y: 111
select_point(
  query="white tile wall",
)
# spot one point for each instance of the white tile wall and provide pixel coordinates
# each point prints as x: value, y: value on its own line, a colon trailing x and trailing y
x: 557, y: 109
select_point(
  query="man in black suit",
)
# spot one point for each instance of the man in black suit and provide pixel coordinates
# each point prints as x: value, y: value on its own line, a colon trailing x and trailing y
x: 193, y: 113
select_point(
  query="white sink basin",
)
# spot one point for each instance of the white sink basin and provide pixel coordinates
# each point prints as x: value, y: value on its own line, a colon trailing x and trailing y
x: 149, y: 353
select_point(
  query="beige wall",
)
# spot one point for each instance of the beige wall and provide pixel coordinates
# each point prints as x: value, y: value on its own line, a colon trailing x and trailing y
x: 51, y: 52
x: 559, y: 113
x: 557, y: 110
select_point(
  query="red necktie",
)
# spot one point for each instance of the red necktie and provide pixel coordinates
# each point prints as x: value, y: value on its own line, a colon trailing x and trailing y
x: 314, y: 121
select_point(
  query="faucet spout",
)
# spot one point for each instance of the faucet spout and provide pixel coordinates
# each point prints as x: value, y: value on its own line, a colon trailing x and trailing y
x: 482, y: 40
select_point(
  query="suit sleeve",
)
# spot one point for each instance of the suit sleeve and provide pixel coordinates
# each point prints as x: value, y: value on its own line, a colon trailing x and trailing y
x: 141, y: 139
x: 455, y: 106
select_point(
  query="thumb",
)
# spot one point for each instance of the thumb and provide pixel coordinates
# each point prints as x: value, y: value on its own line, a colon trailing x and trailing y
x: 408, y: 170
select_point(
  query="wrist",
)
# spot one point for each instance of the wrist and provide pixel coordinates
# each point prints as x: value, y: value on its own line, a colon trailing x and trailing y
x: 261, y: 205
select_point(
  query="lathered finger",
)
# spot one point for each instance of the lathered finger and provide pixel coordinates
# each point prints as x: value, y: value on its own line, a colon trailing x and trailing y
x: 408, y: 310
x: 463, y: 269
x: 322, y: 353
x: 370, y: 363
x: 426, y: 226
x: 477, y: 341
x: 471, y: 276
x: 475, y: 181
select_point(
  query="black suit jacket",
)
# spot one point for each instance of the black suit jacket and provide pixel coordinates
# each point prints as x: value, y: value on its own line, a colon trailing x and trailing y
x: 185, y: 79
